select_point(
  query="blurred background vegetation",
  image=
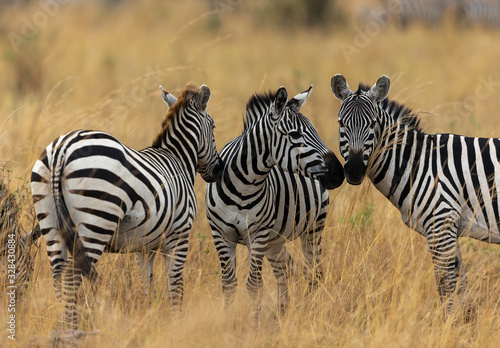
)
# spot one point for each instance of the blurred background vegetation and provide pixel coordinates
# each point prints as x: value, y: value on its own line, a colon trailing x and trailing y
x: 97, y: 65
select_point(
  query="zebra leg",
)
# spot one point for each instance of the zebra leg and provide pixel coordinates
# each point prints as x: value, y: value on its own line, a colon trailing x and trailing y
x: 280, y: 261
x: 174, y: 264
x: 145, y: 261
x: 82, y: 262
x: 464, y: 295
x: 71, y: 281
x: 311, y: 247
x: 257, y: 250
x: 447, y: 259
x: 57, y: 280
x: 227, y: 259
x: 46, y: 213
x: 58, y: 257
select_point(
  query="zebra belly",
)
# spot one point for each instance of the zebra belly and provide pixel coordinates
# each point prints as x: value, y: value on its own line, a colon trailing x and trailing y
x: 471, y: 226
x: 291, y: 206
x: 134, y: 233
x: 469, y: 223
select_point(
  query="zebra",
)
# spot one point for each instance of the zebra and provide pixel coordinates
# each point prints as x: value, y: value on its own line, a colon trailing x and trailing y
x: 94, y: 194
x: 15, y: 249
x: 483, y: 13
x: 444, y: 185
x: 15, y: 245
x: 403, y: 12
x: 274, y: 188
x: 429, y: 12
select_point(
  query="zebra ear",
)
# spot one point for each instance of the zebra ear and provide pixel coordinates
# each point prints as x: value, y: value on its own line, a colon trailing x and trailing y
x: 379, y: 90
x: 167, y: 97
x: 203, y: 98
x: 300, y: 99
x: 340, y: 88
x: 280, y: 100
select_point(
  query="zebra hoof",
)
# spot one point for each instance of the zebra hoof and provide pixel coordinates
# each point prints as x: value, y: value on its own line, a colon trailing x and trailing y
x: 69, y: 337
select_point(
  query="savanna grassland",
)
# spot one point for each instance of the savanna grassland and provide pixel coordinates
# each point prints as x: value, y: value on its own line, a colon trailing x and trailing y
x: 95, y: 65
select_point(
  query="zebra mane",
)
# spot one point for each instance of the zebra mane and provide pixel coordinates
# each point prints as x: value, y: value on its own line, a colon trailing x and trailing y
x: 398, y: 112
x: 256, y: 107
x: 189, y: 91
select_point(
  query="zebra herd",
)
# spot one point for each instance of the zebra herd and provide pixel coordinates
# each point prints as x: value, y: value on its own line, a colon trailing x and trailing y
x: 465, y: 13
x: 267, y: 186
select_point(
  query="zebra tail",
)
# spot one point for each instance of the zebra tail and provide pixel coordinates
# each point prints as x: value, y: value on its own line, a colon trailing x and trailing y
x: 68, y: 229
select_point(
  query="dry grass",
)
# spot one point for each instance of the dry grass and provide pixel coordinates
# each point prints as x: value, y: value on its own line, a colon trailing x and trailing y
x: 99, y: 67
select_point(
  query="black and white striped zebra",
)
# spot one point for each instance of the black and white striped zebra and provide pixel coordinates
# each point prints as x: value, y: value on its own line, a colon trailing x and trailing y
x: 444, y: 185
x: 273, y: 189
x: 482, y: 13
x: 16, y: 259
x: 94, y: 194
x: 428, y: 12
x: 16, y: 249
x: 403, y: 12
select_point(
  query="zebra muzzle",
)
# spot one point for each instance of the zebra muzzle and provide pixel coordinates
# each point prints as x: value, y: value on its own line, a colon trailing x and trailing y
x: 355, y: 168
x: 334, y: 176
x: 215, y: 173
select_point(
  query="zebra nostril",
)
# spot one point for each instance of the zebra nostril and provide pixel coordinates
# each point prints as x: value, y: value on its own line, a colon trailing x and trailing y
x: 355, y: 168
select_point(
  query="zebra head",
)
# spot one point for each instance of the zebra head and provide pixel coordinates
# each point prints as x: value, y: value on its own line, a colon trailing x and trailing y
x: 296, y: 145
x: 208, y: 160
x: 359, y: 127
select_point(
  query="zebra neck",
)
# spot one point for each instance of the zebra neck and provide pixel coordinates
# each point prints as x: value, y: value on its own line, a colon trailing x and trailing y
x: 247, y: 169
x: 182, y: 143
x: 396, y: 160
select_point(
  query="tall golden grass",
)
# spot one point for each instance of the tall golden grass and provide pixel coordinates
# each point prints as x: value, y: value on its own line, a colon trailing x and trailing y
x: 98, y: 67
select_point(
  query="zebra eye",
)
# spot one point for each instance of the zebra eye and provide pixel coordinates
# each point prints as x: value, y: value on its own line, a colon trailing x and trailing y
x: 295, y: 135
x: 341, y: 124
x: 372, y: 124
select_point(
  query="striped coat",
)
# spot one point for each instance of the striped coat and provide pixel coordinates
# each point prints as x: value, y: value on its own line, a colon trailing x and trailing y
x: 94, y: 194
x: 274, y: 188
x: 444, y: 185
